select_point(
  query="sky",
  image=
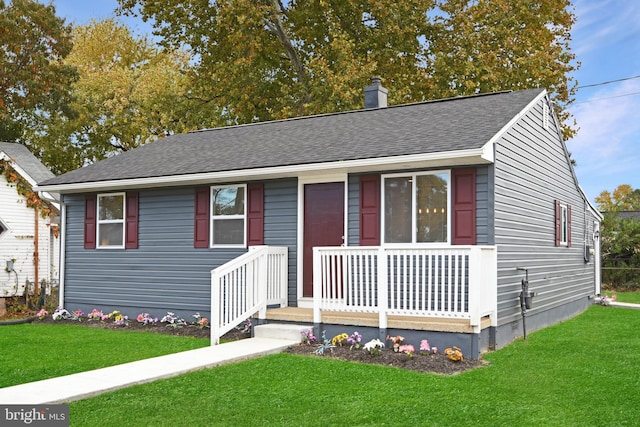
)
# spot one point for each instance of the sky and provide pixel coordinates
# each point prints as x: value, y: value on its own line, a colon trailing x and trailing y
x: 606, y: 41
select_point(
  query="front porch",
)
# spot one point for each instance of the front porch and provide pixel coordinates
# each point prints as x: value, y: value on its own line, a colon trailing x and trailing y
x: 443, y: 290
x: 434, y: 324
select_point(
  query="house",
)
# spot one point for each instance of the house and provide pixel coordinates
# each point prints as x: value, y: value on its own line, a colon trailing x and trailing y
x: 635, y: 215
x: 29, y: 240
x: 419, y: 219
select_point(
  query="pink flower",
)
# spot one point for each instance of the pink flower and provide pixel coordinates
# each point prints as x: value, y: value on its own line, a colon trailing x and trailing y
x: 424, y: 346
x: 407, y: 349
x: 435, y: 350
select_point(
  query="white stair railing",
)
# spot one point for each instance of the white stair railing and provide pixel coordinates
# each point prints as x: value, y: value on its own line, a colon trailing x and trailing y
x: 246, y: 285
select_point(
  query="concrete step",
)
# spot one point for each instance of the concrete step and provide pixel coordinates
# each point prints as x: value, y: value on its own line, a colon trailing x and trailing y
x: 284, y: 331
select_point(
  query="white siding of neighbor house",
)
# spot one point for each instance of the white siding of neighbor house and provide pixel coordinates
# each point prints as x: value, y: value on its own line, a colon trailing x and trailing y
x: 532, y: 170
x: 18, y: 242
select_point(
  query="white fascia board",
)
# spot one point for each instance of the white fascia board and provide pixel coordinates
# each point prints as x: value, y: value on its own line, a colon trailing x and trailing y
x: 488, y: 147
x: 48, y: 197
x: 17, y: 168
x: 440, y: 159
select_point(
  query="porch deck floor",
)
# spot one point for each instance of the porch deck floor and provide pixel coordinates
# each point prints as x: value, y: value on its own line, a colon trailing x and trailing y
x: 305, y: 315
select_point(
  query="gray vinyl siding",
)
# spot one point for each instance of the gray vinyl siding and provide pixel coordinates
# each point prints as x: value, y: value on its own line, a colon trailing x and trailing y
x: 483, y: 236
x: 532, y: 170
x: 353, y: 209
x: 280, y: 225
x: 165, y: 273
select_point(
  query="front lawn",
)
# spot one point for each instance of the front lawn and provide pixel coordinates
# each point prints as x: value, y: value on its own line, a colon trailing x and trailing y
x: 583, y: 372
x: 35, y: 351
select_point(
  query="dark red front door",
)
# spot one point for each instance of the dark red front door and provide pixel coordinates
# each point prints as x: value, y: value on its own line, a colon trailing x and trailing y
x: 323, y: 224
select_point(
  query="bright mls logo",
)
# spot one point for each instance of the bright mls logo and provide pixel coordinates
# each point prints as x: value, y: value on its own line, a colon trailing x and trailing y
x: 34, y: 415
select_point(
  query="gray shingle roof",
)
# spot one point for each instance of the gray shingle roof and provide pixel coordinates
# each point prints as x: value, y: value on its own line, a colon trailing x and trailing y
x: 429, y: 127
x: 629, y: 214
x: 26, y: 160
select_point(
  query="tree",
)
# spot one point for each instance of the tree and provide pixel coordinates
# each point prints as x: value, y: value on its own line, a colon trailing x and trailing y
x: 624, y: 198
x: 620, y: 237
x: 268, y: 59
x: 129, y: 93
x: 493, y: 45
x: 33, y: 79
x: 263, y: 60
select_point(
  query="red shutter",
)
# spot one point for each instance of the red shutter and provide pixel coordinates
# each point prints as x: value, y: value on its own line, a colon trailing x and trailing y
x: 463, y: 215
x: 90, y: 202
x: 255, y: 214
x: 131, y: 231
x: 569, y: 225
x: 370, y: 210
x: 558, y: 223
x: 202, y: 218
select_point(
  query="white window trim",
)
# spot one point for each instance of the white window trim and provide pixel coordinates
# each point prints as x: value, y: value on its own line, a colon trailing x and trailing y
x: 564, y: 225
x: 212, y: 216
x: 122, y: 221
x: 414, y: 217
x: 5, y: 229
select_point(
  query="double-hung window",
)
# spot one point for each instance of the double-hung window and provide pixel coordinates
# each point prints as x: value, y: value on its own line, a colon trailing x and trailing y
x: 564, y: 225
x: 416, y: 208
x: 111, y: 220
x: 228, y: 215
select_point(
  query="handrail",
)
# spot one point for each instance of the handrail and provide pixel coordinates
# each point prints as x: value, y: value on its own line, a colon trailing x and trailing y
x: 246, y: 285
x: 449, y: 282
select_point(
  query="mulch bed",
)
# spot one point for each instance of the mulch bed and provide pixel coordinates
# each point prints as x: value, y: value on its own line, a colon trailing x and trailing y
x: 160, y: 328
x: 434, y: 363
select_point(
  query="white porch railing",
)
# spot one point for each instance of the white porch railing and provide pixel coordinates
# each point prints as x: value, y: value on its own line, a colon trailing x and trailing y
x: 449, y: 282
x: 246, y: 285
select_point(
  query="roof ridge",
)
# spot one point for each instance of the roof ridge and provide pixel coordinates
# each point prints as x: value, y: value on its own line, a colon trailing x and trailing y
x: 362, y: 110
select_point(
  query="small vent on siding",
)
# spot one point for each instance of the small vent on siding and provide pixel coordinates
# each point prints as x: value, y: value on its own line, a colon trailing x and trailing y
x: 545, y: 116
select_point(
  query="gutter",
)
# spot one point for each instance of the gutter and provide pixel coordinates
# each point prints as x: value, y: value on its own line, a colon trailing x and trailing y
x: 440, y: 159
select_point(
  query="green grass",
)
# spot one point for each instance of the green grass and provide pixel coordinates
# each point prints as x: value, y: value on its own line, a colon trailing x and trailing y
x: 582, y: 372
x: 632, y: 297
x: 32, y: 352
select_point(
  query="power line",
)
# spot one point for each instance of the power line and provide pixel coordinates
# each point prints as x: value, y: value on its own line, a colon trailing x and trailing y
x: 609, y: 97
x: 608, y: 82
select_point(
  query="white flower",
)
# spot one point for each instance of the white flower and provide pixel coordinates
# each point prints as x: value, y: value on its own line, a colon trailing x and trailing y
x: 374, y: 344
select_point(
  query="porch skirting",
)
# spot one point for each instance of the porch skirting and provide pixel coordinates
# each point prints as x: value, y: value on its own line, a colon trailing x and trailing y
x: 437, y: 324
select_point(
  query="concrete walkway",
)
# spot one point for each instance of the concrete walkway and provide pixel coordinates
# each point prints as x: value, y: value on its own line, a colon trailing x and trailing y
x: 624, y: 304
x: 91, y: 383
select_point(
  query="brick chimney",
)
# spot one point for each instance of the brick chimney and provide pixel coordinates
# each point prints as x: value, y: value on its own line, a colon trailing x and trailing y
x: 375, y: 96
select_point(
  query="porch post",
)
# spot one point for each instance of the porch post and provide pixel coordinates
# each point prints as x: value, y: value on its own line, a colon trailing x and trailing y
x: 317, y: 290
x: 215, y: 309
x: 476, y: 286
x: 262, y: 283
x: 383, y: 293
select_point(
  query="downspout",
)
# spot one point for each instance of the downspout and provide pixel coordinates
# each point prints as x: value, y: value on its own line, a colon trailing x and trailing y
x: 63, y: 240
x: 36, y: 254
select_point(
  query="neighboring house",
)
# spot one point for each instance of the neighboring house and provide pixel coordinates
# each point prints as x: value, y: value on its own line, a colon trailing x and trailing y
x: 635, y: 215
x: 29, y: 239
x: 412, y: 219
